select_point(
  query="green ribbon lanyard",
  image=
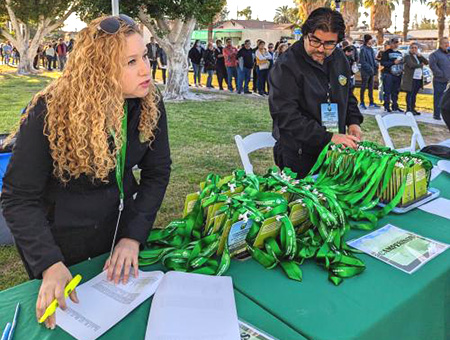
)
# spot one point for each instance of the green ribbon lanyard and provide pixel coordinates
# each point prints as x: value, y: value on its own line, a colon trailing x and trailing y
x: 120, y: 169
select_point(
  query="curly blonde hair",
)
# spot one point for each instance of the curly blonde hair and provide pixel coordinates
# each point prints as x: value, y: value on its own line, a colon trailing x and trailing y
x: 86, y: 104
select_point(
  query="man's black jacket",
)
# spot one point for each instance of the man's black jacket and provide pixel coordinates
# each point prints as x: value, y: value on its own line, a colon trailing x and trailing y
x: 34, y: 201
x: 298, y: 86
x: 247, y: 55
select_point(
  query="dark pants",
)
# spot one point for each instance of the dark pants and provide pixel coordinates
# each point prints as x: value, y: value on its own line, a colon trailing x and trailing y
x: 221, y: 73
x: 262, y: 80
x: 154, y: 65
x: 163, y: 70
x: 391, y: 86
x: 80, y: 243
x: 54, y: 61
x: 231, y: 72
x: 255, y: 78
x: 49, y: 62
x: 36, y: 62
x: 197, y: 74
x: 243, y: 79
x: 412, y: 95
x: 438, y: 91
x: 366, y: 82
x: 210, y: 77
x: 300, y: 164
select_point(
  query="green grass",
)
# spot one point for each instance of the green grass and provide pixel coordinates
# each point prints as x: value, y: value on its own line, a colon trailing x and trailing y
x: 202, y: 141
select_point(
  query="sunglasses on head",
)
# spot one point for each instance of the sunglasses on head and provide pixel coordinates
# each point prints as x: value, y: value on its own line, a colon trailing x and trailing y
x: 111, y: 25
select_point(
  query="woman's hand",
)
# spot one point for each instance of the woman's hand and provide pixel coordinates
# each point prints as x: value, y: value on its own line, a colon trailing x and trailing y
x: 55, y: 279
x: 124, y: 256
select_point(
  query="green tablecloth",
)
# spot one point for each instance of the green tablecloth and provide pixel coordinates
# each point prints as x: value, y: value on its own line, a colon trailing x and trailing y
x: 381, y: 303
x: 134, y: 325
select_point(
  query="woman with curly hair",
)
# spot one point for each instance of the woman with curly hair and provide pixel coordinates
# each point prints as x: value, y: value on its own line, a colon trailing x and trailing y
x: 69, y: 192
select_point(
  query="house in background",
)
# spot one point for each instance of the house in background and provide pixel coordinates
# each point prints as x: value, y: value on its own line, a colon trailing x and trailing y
x: 241, y: 30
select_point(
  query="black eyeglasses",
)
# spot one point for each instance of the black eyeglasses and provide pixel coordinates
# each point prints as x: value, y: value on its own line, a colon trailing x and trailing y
x: 316, y: 43
x: 111, y: 25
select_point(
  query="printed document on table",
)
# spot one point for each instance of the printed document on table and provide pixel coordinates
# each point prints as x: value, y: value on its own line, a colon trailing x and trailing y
x: 402, y: 249
x: 439, y: 207
x: 192, y: 306
x: 249, y: 332
x: 103, y: 304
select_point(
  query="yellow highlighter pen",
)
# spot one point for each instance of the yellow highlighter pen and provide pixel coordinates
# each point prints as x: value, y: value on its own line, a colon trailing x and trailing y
x: 69, y: 288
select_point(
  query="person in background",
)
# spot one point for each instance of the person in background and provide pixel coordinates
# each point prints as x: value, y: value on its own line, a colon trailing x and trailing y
x: 392, y: 62
x: 255, y: 68
x: 369, y: 68
x: 263, y: 59
x: 230, y: 55
x: 50, y: 54
x: 349, y: 54
x: 446, y: 107
x: 245, y: 67
x: 152, y: 50
x: 61, y: 51
x: 70, y: 45
x: 386, y: 46
x: 209, y: 58
x: 1, y: 53
x: 55, y: 57
x: 7, y: 50
x: 270, y: 49
x: 280, y: 50
x: 161, y: 57
x: 412, y: 80
x: 196, y: 55
x: 15, y: 56
x: 221, y: 70
x: 440, y: 65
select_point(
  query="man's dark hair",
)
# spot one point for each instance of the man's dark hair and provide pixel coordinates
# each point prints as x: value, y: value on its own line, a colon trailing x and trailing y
x: 228, y: 39
x: 218, y: 41
x: 327, y: 20
x: 247, y: 41
x: 367, y: 38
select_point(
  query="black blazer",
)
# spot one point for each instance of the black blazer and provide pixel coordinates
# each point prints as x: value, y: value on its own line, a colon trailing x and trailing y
x: 34, y: 201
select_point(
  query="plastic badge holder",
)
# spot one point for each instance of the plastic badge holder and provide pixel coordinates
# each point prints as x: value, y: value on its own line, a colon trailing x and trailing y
x: 431, y: 195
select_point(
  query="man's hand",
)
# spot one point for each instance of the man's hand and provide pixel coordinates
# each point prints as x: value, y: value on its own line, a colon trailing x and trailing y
x: 397, y: 61
x: 55, y: 279
x: 355, y: 130
x: 346, y: 140
x: 125, y: 255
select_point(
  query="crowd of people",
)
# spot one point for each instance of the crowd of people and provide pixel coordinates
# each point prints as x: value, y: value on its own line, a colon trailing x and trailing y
x: 51, y: 55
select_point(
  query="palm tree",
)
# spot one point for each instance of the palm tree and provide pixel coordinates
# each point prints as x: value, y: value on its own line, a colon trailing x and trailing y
x: 307, y: 6
x: 442, y: 8
x: 350, y: 13
x: 282, y: 15
x: 406, y: 16
x: 380, y: 16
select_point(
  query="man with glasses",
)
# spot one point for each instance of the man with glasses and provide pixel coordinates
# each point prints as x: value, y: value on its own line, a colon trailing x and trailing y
x: 310, y: 99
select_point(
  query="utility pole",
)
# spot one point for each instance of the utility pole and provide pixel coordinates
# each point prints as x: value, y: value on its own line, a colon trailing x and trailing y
x: 115, y: 7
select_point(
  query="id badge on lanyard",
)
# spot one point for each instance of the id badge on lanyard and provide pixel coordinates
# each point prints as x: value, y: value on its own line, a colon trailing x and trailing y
x: 330, y: 114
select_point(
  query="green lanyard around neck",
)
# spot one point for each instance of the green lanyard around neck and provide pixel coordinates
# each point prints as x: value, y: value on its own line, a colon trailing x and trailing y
x: 120, y: 167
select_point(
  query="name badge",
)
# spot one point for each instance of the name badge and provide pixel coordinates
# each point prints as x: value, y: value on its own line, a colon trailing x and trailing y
x: 330, y: 117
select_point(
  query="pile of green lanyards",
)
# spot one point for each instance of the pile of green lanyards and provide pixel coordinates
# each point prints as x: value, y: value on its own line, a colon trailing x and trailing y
x: 331, y: 200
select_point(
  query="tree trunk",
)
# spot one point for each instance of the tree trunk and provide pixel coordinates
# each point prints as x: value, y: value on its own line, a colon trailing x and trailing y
x: 380, y: 36
x: 406, y: 16
x: 174, y: 37
x: 441, y: 12
x: 210, y: 32
x: 177, y: 87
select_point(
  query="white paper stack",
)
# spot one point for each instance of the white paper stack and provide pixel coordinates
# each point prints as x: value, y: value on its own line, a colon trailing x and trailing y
x: 193, y: 307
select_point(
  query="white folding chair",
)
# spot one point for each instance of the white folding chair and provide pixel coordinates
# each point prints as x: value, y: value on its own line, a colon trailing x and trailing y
x: 400, y: 120
x: 253, y: 142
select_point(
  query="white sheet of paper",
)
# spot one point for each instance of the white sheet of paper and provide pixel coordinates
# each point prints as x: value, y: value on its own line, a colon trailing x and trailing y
x: 439, y: 207
x: 435, y: 171
x: 103, y: 304
x: 193, y: 306
x: 444, y: 165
